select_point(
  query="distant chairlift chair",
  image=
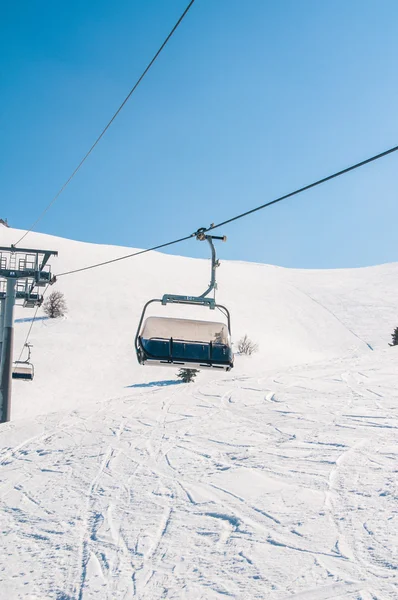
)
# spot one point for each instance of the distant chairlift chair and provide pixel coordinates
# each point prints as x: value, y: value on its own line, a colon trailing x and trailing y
x: 186, y: 342
x: 23, y: 369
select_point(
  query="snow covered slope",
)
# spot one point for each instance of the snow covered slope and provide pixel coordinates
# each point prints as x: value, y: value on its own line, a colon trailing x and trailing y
x: 277, y: 480
x: 296, y: 317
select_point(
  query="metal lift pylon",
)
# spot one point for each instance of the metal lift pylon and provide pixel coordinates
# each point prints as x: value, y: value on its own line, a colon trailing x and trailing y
x: 23, y: 271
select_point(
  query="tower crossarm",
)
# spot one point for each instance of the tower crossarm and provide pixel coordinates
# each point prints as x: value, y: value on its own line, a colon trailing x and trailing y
x: 26, y: 263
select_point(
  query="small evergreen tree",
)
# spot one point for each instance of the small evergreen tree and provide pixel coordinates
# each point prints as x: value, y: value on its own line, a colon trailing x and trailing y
x: 395, y: 337
x: 55, y: 305
x: 187, y: 375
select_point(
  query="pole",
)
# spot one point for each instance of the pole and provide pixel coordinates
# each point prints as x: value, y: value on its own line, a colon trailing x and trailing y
x: 2, y: 301
x: 6, y: 354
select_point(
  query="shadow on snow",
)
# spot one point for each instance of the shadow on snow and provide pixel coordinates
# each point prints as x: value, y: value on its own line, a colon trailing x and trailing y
x: 30, y: 319
x: 154, y: 383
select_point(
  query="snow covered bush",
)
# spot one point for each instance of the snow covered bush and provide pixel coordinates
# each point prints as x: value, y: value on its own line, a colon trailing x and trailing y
x: 247, y: 346
x: 55, y: 305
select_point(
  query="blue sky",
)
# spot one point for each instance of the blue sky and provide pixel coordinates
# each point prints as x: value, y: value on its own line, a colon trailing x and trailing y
x: 248, y: 101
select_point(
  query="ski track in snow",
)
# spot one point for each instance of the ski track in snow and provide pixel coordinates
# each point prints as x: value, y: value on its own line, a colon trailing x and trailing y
x: 282, y: 486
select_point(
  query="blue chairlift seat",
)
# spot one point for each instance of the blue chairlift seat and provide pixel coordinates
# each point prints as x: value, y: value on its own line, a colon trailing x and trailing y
x: 185, y: 342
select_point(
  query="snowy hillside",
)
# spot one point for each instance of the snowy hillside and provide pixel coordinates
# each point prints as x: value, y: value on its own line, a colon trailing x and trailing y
x: 296, y: 317
x: 276, y: 480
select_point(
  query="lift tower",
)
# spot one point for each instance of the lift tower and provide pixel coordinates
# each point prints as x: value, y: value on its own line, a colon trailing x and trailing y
x: 23, y: 271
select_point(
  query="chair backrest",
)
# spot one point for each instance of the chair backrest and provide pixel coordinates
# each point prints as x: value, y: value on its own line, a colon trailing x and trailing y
x: 189, y: 330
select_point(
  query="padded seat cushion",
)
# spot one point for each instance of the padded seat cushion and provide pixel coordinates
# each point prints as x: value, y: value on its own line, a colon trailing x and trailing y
x: 22, y: 376
x: 187, y: 351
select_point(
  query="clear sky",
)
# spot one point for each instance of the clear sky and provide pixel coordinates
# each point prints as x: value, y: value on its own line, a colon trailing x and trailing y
x: 249, y: 100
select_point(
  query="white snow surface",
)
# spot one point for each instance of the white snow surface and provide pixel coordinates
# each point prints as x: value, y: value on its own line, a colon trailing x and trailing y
x: 277, y: 480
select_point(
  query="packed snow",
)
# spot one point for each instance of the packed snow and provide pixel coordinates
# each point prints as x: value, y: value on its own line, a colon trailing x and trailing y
x: 277, y: 480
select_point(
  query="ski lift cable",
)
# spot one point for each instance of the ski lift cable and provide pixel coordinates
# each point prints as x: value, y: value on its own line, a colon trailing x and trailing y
x: 127, y: 98
x: 304, y: 189
x: 113, y: 260
x: 242, y: 215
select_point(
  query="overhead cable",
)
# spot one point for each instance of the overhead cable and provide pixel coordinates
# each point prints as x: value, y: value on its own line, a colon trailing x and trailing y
x: 113, y: 260
x: 57, y: 195
x: 305, y: 188
x: 244, y: 214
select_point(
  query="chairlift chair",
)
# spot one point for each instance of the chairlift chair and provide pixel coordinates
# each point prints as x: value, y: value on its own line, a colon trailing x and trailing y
x: 186, y: 342
x: 23, y: 369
